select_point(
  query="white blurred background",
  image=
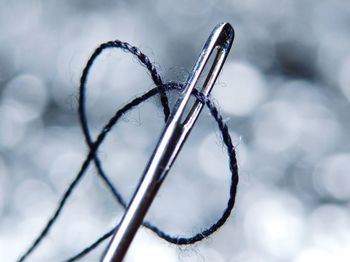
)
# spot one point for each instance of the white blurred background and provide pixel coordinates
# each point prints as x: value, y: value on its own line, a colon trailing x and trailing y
x: 284, y: 93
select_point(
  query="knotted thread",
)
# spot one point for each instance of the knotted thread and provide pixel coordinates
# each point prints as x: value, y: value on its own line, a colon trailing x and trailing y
x: 160, y: 89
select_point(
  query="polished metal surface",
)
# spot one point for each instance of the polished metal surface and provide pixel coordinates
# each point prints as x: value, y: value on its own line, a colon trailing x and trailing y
x: 172, y: 139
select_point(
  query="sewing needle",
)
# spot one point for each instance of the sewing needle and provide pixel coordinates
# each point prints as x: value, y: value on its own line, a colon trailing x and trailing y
x: 172, y: 139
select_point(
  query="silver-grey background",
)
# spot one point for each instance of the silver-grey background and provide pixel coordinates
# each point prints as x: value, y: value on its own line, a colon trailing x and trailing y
x: 284, y: 93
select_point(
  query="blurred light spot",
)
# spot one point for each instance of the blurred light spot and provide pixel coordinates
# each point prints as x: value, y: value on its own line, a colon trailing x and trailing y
x: 83, y: 220
x: 178, y: 15
x: 319, y: 129
x: 29, y: 95
x: 277, y: 126
x: 8, y: 61
x: 33, y: 139
x: 58, y: 141
x: 243, y: 89
x: 332, y: 176
x: 333, y: 47
x: 269, y: 173
x: 33, y: 198
x: 12, y: 128
x: 249, y: 255
x: 344, y: 77
x: 147, y: 246
x: 212, y: 156
x: 338, y: 229
x: 62, y: 169
x: 4, y: 186
x: 319, y: 133
x: 27, y: 16
x: 313, y: 254
x: 186, y: 8
x: 210, y: 254
x: 276, y: 225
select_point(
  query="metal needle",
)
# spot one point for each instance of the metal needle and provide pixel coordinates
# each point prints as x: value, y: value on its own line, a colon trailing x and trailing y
x: 172, y: 139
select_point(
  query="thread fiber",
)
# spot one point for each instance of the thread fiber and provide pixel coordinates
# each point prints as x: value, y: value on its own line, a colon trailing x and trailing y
x: 161, y: 89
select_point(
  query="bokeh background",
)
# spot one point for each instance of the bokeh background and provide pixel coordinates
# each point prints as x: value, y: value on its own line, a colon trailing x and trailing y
x: 284, y: 93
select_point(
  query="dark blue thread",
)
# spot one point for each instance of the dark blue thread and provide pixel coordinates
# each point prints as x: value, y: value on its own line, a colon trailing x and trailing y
x: 234, y: 181
x: 93, y: 146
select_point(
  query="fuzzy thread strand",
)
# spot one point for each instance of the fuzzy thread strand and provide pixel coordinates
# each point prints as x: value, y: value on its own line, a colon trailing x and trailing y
x: 160, y: 89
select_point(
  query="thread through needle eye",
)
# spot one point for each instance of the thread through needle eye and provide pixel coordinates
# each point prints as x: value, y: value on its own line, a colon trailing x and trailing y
x: 172, y: 139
